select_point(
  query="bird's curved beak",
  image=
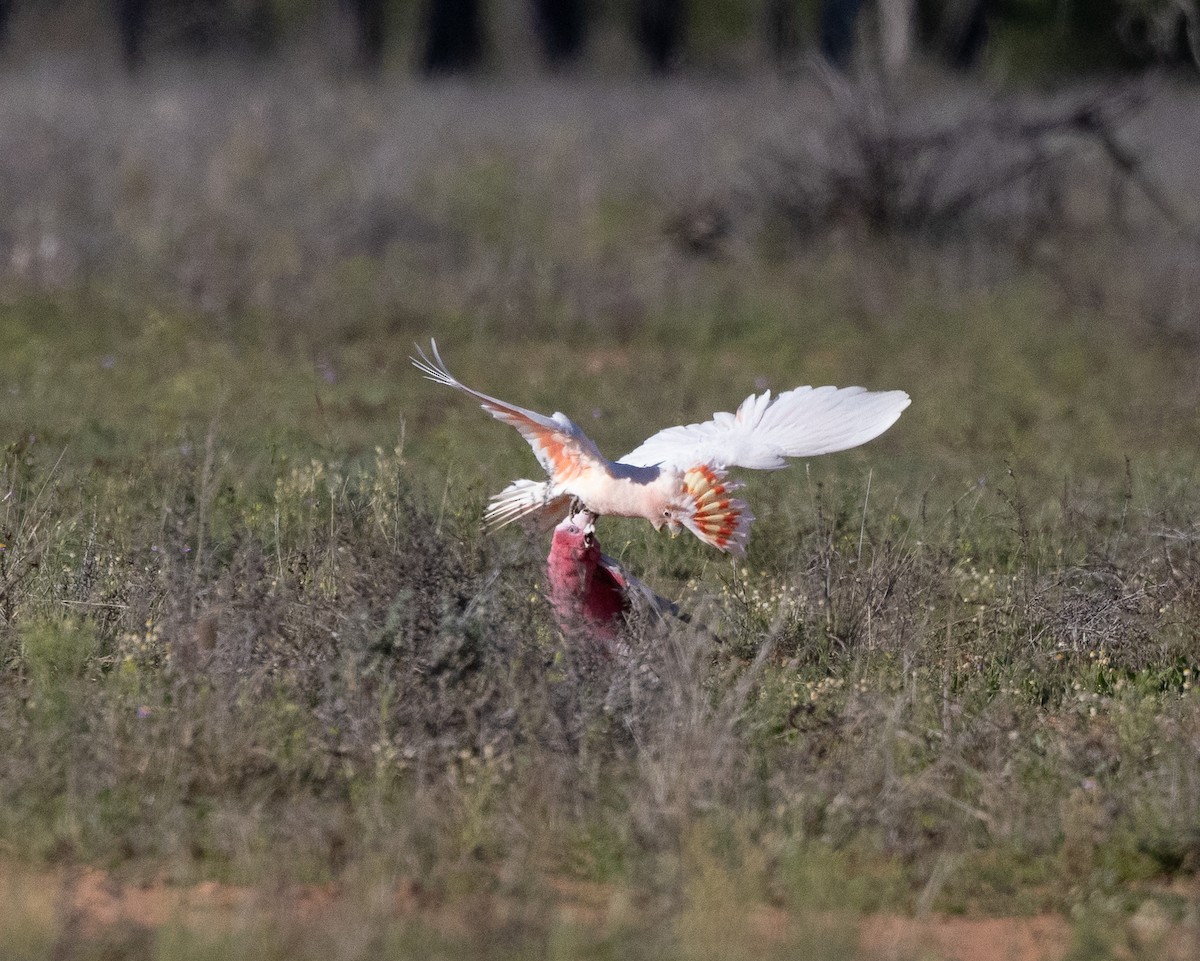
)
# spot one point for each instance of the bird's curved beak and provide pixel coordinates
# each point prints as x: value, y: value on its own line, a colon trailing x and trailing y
x: 671, y: 524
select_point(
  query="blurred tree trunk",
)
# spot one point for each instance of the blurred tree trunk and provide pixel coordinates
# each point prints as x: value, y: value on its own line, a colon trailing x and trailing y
x: 259, y: 28
x: 661, y: 25
x: 453, y: 36
x: 562, y: 29
x: 838, y: 19
x: 896, y: 33
x: 783, y: 31
x: 369, y: 32
x: 966, y: 32
x: 131, y: 28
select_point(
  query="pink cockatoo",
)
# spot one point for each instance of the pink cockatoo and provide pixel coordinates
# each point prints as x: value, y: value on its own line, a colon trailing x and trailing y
x: 679, y: 477
x: 591, y: 593
x: 588, y: 594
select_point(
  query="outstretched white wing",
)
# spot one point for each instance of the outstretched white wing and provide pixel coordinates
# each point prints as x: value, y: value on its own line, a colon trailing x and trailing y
x: 561, y: 447
x: 765, y: 432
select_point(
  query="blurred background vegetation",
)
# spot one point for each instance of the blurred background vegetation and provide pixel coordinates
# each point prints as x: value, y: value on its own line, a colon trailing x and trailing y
x: 1020, y: 38
x: 252, y: 639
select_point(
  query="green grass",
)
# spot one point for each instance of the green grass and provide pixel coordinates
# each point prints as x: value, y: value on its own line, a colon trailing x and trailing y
x: 250, y: 631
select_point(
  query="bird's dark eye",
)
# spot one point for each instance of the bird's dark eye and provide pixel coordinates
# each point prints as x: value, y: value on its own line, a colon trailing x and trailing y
x: 588, y: 540
x: 666, y: 513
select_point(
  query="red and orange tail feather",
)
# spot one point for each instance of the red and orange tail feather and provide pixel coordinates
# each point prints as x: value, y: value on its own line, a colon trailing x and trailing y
x: 715, y: 516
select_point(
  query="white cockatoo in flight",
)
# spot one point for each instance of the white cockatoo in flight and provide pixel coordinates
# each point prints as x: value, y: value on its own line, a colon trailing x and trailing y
x: 679, y: 477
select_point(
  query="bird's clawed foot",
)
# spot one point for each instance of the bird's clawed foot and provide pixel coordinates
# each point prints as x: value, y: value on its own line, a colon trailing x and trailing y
x: 582, y: 516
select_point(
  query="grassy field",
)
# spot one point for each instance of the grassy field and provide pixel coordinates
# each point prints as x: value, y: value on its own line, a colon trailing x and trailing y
x: 253, y: 642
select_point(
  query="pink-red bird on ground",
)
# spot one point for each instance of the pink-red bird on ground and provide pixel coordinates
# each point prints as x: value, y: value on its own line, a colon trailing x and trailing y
x: 590, y: 592
x: 679, y: 477
x: 588, y: 597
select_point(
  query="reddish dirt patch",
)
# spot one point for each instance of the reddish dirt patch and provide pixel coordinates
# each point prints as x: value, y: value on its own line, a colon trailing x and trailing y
x: 91, y: 900
x: 95, y: 900
x: 1045, y: 937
